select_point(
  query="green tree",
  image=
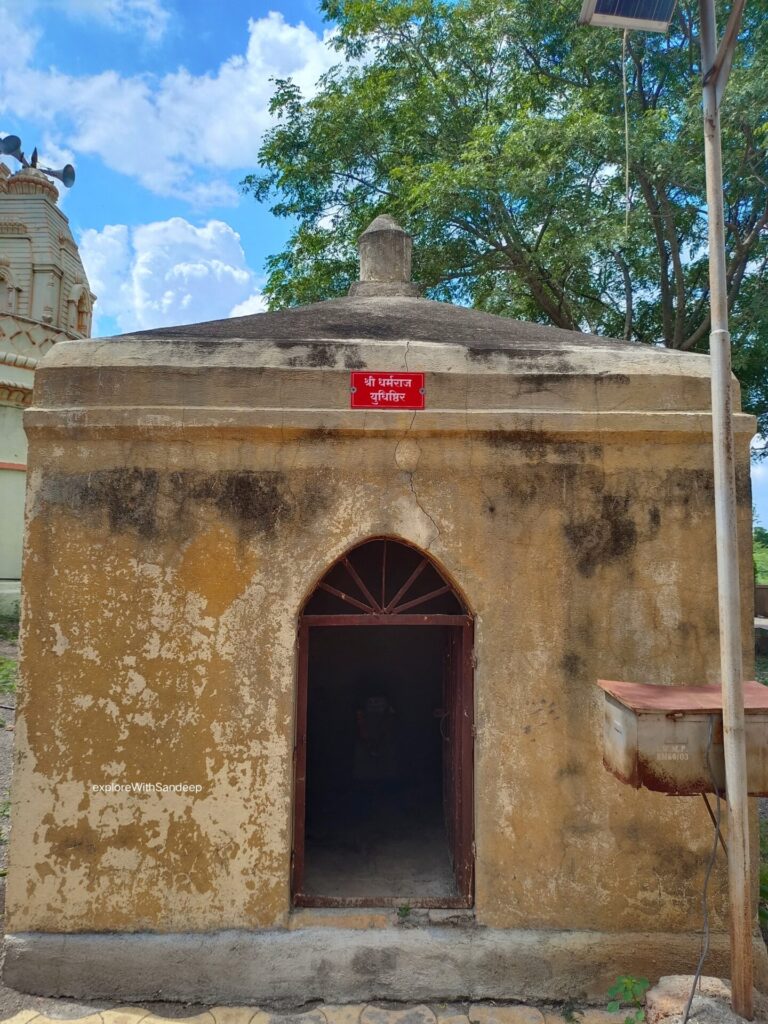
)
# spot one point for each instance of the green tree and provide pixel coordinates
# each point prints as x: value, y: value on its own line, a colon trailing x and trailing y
x: 495, y: 132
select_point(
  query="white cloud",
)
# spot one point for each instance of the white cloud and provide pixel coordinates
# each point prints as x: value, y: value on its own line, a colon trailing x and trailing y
x: 146, y: 16
x: 255, y: 303
x: 168, y: 272
x: 177, y: 133
x: 211, y: 193
x: 19, y: 38
x: 54, y: 154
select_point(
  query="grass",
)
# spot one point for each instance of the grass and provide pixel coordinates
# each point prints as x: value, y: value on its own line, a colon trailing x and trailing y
x: 9, y: 627
x: 9, y: 631
x: 8, y: 674
x: 761, y: 668
x: 760, y: 554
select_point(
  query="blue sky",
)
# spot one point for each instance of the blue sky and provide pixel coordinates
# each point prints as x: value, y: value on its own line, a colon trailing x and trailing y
x: 760, y: 492
x: 161, y: 105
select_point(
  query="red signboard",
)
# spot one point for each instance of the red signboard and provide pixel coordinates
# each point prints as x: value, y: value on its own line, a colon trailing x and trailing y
x: 386, y: 389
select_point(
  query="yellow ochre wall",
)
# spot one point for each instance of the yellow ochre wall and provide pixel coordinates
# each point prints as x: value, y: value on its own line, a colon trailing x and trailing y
x: 165, y: 567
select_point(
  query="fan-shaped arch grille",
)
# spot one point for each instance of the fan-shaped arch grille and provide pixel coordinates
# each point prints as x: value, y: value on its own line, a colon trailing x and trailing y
x: 384, y: 577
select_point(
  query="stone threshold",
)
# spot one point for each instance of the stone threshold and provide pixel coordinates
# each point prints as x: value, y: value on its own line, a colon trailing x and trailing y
x: 364, y: 918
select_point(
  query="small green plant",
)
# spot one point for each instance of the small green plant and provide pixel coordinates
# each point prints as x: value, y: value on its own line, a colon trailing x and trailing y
x: 404, y: 911
x: 629, y: 991
x: 8, y: 672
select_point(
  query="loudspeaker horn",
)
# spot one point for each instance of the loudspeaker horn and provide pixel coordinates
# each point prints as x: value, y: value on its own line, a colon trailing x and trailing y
x: 11, y: 146
x: 66, y: 175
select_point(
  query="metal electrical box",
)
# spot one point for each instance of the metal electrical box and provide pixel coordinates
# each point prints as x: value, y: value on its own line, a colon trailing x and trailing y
x: 657, y: 737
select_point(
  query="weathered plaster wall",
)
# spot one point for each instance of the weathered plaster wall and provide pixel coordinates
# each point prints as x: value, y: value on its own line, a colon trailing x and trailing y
x: 164, y: 572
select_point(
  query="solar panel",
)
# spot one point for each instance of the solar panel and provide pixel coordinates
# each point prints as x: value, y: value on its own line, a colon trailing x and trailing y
x: 651, y: 15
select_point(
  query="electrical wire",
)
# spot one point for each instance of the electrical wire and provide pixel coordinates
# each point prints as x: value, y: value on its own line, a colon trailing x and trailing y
x: 711, y: 814
x: 708, y: 872
x: 626, y: 132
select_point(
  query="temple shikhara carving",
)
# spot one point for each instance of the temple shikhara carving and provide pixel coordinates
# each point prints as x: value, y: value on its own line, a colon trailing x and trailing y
x: 44, y: 298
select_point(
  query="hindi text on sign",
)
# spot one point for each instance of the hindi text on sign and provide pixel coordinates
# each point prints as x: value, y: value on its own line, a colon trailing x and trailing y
x: 386, y: 389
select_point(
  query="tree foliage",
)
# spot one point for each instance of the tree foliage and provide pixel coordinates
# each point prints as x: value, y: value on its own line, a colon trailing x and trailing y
x: 494, y: 131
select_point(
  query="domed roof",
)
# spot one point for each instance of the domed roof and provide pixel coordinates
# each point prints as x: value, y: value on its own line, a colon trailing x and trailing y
x: 384, y: 306
x: 301, y: 358
x: 385, y: 318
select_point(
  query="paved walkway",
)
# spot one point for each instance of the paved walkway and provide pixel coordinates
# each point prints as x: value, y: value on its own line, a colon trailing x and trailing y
x: 476, y: 1013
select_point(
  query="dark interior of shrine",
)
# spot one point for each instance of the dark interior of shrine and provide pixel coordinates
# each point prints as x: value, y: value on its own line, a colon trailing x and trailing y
x: 374, y: 799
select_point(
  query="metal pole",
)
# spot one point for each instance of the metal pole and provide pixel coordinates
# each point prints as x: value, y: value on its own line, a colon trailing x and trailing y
x: 727, y: 543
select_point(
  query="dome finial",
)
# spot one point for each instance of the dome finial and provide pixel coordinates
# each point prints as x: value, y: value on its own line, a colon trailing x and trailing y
x: 385, y: 260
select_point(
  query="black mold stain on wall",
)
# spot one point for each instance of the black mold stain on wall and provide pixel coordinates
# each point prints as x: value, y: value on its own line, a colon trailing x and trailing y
x: 318, y: 355
x: 549, y: 484
x: 695, y: 488
x: 256, y: 502
x: 572, y: 663
x: 532, y: 356
x: 324, y: 355
x: 539, y: 444
x: 605, y: 515
x: 155, y: 505
x: 352, y: 358
x: 603, y: 537
x: 127, y: 496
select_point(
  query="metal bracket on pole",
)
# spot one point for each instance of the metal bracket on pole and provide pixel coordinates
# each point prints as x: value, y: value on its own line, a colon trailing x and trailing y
x: 720, y: 68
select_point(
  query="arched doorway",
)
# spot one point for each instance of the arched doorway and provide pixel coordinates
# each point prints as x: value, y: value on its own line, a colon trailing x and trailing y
x: 383, y: 791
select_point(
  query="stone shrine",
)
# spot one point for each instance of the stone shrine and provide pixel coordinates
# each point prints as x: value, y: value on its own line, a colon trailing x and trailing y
x: 309, y: 705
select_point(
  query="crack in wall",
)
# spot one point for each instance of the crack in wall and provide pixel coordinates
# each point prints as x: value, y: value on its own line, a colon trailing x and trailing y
x: 416, y: 498
x: 411, y: 472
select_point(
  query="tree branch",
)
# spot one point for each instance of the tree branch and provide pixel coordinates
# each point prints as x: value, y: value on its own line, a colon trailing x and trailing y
x: 656, y: 221
x: 677, y: 268
x: 624, y: 268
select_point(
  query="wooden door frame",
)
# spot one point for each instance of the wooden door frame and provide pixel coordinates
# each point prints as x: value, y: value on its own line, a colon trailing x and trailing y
x: 465, y: 877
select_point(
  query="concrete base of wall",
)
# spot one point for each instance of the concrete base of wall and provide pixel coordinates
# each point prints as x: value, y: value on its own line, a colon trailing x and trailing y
x: 290, y: 968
